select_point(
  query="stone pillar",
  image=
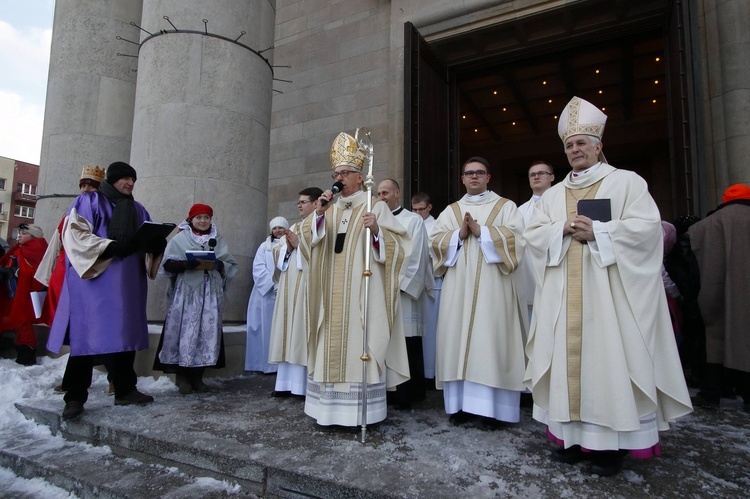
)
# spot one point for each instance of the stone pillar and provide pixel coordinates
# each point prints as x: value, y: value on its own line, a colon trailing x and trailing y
x: 201, y: 130
x: 90, y: 97
x: 734, y: 52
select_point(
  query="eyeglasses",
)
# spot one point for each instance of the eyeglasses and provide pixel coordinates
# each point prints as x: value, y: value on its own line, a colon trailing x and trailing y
x: 343, y: 174
x: 539, y: 174
x: 418, y: 210
x: 23, y: 227
x: 478, y: 173
x: 300, y: 203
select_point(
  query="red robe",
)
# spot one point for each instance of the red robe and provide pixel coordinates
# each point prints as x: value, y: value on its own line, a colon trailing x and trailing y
x: 18, y: 313
x: 56, y: 280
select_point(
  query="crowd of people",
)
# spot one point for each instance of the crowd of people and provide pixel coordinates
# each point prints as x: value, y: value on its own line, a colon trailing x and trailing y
x: 578, y: 298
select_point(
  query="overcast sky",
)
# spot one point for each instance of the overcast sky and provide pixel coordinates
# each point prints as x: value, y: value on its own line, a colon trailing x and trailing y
x: 25, y: 36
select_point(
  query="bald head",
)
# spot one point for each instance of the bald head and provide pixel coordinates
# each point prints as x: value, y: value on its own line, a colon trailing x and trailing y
x: 389, y: 192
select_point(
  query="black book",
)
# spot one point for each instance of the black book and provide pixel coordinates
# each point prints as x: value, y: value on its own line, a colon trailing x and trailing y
x: 595, y: 209
x: 148, y: 231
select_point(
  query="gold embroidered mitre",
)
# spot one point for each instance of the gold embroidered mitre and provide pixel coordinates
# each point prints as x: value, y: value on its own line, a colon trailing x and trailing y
x: 92, y: 173
x: 346, y: 151
x: 580, y: 117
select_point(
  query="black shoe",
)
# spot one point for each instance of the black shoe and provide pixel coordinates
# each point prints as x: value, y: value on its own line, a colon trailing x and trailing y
x: 26, y: 355
x: 72, y: 410
x: 571, y: 455
x: 700, y: 400
x: 195, y: 375
x: 134, y: 398
x: 281, y: 394
x: 183, y: 384
x: 460, y: 418
x: 200, y: 387
x: 606, y: 463
x: 527, y: 400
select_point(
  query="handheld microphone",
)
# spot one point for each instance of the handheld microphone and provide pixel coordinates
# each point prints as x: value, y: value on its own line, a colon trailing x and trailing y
x: 335, y: 188
x: 211, y: 244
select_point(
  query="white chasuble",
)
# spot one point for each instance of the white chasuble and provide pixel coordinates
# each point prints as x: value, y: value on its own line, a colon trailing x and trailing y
x: 601, y: 348
x: 336, y: 284
x: 481, y: 320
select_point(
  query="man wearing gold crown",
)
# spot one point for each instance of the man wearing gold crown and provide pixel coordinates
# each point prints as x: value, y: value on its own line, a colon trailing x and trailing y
x: 51, y: 271
x: 335, y: 238
x: 603, y: 364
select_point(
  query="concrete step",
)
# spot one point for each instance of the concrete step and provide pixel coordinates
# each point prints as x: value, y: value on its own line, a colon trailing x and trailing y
x: 241, y: 438
x: 176, y: 434
x: 95, y: 472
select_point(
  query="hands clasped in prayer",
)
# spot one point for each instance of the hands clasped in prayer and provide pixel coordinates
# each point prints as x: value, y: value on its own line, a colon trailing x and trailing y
x: 470, y: 226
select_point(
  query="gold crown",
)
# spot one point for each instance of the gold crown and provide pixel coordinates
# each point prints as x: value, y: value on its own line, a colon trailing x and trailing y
x: 92, y: 173
x: 347, y: 151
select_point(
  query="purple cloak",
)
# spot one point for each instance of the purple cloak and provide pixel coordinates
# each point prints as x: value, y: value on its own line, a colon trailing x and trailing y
x: 106, y: 314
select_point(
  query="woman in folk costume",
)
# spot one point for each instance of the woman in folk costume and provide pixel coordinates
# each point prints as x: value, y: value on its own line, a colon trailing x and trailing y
x: 17, y: 268
x: 262, y: 301
x: 192, y: 337
x: 51, y: 270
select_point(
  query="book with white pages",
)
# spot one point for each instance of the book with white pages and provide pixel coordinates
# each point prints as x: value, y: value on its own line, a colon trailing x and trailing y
x: 193, y: 255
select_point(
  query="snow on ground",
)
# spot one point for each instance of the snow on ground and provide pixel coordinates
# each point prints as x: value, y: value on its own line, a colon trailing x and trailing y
x: 19, y: 382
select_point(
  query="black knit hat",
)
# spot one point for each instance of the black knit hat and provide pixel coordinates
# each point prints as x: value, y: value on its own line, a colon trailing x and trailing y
x: 118, y: 170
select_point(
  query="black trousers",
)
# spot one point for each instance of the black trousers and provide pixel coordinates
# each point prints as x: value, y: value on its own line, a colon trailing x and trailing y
x: 105, y: 360
x: 79, y: 371
x: 414, y: 389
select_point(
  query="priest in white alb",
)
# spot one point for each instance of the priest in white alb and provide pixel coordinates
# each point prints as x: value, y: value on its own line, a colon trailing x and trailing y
x: 477, y: 245
x: 603, y: 364
x: 335, y: 236
x: 289, y: 329
x: 416, y: 283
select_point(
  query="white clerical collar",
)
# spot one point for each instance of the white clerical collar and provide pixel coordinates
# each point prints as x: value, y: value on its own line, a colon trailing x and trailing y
x: 587, y: 171
x: 476, y: 197
x: 350, y: 196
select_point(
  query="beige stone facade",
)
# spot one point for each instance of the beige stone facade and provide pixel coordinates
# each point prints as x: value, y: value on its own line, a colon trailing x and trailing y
x: 201, y: 124
x: 347, y: 70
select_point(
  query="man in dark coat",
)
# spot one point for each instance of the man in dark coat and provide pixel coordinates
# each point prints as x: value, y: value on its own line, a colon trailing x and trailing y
x: 721, y: 243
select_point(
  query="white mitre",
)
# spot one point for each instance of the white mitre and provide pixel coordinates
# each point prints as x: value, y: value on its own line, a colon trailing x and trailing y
x: 580, y: 117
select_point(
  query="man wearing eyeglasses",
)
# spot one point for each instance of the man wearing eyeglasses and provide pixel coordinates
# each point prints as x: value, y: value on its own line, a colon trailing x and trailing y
x: 476, y: 245
x: 335, y: 237
x: 541, y: 176
x: 421, y: 204
x: 288, y: 346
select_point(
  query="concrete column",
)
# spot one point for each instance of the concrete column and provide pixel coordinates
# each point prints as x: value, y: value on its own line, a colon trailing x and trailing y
x: 201, y: 130
x: 90, y: 97
x: 734, y: 53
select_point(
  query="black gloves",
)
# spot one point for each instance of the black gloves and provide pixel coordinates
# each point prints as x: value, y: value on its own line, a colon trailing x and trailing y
x: 6, y: 273
x: 156, y: 246
x: 178, y: 266
x: 119, y: 249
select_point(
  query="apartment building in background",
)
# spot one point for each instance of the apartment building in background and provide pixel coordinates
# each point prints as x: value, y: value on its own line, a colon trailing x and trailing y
x: 18, y: 194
